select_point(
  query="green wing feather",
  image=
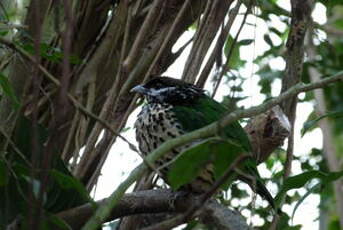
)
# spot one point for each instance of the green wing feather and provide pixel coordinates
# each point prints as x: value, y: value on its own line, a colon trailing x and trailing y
x: 203, y: 112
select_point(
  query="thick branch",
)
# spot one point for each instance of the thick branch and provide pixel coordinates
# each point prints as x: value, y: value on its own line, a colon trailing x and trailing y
x: 75, y: 102
x: 157, y: 201
x: 300, y: 17
x: 214, y: 214
x: 204, y: 36
x: 150, y: 201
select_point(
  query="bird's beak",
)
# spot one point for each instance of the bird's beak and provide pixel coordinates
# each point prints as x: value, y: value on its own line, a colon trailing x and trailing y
x: 139, y: 89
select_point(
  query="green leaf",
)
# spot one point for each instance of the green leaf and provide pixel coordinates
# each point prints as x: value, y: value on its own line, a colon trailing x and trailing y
x: 300, y: 180
x: 276, y: 31
x: 312, y: 190
x: 284, y: 223
x: 68, y: 182
x: 8, y: 90
x: 237, y: 192
x: 63, y: 191
x: 245, y: 42
x: 125, y: 129
x: 268, y: 75
x: 309, y: 125
x: 312, y: 116
x: 225, y: 153
x: 4, y: 33
x: 268, y: 40
x: 187, y: 166
x: 58, y: 222
x: 191, y: 225
x: 23, y: 137
x: 234, y: 56
x: 193, y: 160
x: 339, y: 24
x: 21, y: 170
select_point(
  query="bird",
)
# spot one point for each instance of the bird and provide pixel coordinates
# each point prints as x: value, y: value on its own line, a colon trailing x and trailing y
x: 174, y: 107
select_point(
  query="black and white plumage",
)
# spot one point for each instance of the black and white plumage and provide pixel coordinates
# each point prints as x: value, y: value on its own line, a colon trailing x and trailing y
x: 157, y: 122
x: 175, y: 107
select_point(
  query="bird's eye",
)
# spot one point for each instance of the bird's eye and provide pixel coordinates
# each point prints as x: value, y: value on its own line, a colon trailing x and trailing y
x: 159, y: 86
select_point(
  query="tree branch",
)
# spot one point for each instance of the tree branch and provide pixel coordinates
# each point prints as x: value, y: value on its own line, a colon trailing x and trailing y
x: 225, y: 66
x: 141, y: 37
x: 204, y: 36
x: 150, y: 201
x: 156, y: 201
x: 300, y: 18
x: 219, y: 46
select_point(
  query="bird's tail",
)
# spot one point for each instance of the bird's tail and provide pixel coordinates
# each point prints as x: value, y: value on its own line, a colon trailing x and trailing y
x: 264, y: 193
x: 258, y: 187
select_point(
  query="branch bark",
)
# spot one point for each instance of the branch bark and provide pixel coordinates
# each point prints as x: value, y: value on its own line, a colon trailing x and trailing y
x: 206, y: 31
x: 156, y: 201
x: 300, y: 18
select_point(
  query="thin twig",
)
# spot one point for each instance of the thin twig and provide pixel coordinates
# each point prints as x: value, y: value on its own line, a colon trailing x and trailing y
x: 79, y: 106
x: 76, y: 103
x: 170, y: 33
x: 225, y: 67
x: 137, y: 45
x: 202, y: 29
x: 108, y: 106
x: 90, y: 152
x: 71, y: 135
x: 13, y: 145
x: 219, y: 45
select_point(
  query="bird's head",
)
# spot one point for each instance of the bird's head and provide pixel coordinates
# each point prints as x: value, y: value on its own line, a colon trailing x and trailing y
x: 168, y: 90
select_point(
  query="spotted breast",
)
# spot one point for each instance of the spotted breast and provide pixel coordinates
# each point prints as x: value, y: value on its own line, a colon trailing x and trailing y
x: 157, y: 123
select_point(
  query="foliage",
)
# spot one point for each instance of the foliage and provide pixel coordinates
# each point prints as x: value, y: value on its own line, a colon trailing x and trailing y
x: 7, y: 90
x: 63, y: 191
x: 221, y: 153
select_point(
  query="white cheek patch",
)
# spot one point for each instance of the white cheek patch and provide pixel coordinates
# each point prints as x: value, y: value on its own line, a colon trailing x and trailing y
x: 159, y: 93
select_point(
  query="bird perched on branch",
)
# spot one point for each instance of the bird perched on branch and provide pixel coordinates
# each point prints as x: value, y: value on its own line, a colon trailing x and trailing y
x: 174, y: 108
